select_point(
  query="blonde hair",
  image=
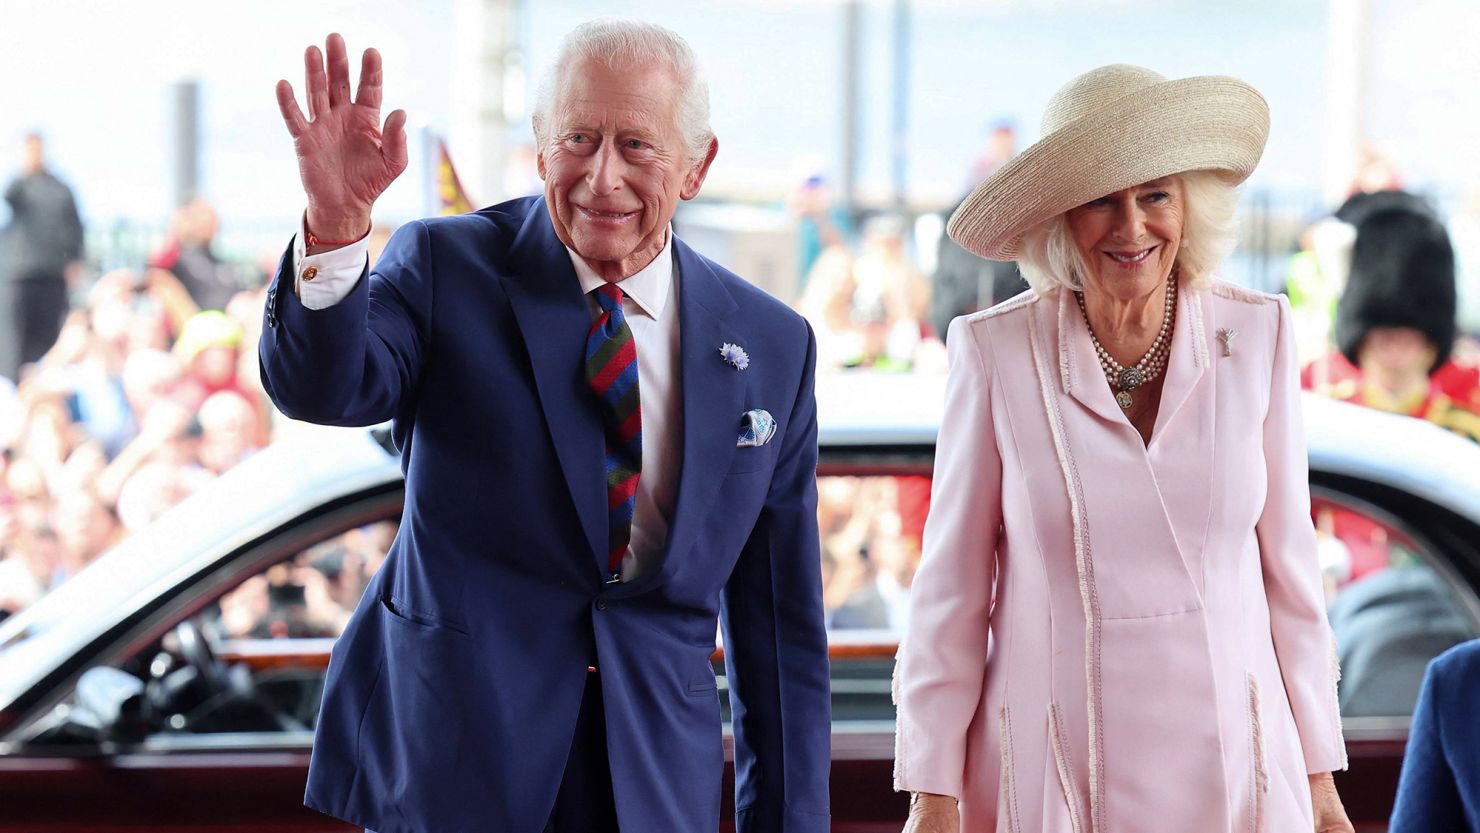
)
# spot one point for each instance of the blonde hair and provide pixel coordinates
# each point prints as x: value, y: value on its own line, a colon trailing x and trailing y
x: 1049, y: 259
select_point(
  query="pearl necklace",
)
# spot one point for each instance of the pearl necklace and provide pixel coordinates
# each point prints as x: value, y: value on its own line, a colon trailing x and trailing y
x: 1126, y: 379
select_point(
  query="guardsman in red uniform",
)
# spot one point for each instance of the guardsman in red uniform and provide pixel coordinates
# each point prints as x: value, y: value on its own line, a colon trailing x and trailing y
x: 1395, y: 322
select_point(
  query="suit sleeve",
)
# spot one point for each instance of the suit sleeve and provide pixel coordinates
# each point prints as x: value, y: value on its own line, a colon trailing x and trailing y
x: 355, y: 362
x: 1428, y: 796
x: 942, y: 659
x: 776, y: 644
x: 1303, y: 642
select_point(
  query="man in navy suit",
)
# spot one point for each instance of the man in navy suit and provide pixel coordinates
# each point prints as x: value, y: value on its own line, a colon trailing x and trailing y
x: 1439, y: 788
x: 609, y: 444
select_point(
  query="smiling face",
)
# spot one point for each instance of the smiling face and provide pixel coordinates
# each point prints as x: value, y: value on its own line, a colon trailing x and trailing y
x: 1129, y: 240
x: 614, y: 164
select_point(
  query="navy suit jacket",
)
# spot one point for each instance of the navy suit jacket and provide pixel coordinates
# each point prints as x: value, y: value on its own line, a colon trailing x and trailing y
x: 1440, y: 785
x: 452, y: 695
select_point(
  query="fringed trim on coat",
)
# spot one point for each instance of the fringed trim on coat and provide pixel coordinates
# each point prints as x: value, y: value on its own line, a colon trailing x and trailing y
x: 1224, y: 289
x: 1256, y: 751
x: 1084, y: 565
x: 1061, y: 760
x: 1006, y: 780
x: 894, y: 698
x: 1336, y: 700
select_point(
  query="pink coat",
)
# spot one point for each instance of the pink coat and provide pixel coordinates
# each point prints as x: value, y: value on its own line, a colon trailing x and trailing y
x: 1159, y: 654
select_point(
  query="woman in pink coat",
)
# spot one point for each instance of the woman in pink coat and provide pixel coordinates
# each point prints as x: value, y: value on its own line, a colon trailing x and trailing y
x: 1118, y: 624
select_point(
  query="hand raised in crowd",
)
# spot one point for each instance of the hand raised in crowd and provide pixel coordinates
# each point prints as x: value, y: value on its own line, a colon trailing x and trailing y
x: 933, y: 814
x: 345, y: 158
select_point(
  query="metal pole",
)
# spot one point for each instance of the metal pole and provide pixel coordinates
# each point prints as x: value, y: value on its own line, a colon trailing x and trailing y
x: 852, y: 31
x: 486, y: 47
x: 899, y: 145
x: 186, y: 117
x: 1346, y: 88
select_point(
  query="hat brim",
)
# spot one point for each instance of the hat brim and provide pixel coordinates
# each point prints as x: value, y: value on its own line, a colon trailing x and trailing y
x: 1208, y: 123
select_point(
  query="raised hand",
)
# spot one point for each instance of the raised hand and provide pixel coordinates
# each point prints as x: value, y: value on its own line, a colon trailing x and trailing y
x: 345, y: 158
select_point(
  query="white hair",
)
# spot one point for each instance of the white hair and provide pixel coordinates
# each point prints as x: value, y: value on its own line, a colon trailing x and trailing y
x: 1050, y: 260
x: 618, y: 42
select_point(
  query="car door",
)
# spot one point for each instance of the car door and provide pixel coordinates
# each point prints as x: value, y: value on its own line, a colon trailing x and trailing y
x: 228, y: 678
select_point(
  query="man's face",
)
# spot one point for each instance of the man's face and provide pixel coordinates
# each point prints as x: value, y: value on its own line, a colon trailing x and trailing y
x: 614, y: 164
x: 1394, y: 356
x: 33, y: 154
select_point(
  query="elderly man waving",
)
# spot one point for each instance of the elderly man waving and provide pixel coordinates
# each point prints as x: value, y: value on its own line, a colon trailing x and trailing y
x: 609, y: 442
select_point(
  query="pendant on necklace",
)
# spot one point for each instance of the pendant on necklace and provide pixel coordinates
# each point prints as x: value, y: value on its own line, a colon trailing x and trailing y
x: 1123, y: 399
x: 1130, y: 378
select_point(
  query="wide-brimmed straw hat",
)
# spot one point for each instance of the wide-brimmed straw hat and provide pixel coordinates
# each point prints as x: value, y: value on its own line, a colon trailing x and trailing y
x: 1109, y: 129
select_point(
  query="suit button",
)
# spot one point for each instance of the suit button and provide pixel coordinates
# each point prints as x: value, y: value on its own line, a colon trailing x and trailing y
x: 601, y: 604
x: 310, y: 273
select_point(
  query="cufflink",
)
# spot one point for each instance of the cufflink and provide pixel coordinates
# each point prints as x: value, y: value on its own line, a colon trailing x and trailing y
x: 756, y: 429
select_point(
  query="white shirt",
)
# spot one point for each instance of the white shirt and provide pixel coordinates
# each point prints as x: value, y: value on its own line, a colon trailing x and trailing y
x: 650, y: 304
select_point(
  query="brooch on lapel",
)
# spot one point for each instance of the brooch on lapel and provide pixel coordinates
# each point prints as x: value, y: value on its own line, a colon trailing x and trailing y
x: 734, y: 356
x: 757, y: 429
x: 1226, y: 335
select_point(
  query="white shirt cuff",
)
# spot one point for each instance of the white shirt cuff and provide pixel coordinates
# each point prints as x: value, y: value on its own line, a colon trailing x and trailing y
x: 325, y: 279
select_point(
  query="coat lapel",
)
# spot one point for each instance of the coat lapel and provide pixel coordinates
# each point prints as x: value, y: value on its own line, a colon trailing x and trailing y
x: 1083, y: 379
x: 554, y: 319
x: 713, y: 395
x: 1079, y: 367
x: 1188, y: 359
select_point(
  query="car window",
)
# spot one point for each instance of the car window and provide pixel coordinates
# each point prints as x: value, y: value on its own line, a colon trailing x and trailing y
x: 1393, y: 603
x: 308, y: 596
x: 871, y: 530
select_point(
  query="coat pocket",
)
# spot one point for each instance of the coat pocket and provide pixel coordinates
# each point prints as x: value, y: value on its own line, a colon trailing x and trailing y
x: 1258, y: 765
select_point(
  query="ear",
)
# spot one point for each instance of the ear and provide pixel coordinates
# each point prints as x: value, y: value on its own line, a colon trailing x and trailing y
x: 539, y: 159
x: 694, y: 179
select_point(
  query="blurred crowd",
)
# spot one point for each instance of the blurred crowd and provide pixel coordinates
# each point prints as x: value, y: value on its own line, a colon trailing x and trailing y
x: 123, y: 393
x: 142, y: 388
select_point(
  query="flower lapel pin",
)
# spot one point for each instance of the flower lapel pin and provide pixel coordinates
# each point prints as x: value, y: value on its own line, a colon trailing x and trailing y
x: 734, y: 355
x: 757, y: 429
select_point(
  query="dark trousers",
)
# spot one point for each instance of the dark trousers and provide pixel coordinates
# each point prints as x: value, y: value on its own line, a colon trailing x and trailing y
x: 31, y: 312
x: 585, y: 803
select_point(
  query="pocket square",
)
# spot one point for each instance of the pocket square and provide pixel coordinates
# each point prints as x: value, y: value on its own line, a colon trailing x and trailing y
x: 757, y: 429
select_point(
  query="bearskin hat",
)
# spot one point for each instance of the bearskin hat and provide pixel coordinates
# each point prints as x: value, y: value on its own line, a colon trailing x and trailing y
x: 1402, y: 273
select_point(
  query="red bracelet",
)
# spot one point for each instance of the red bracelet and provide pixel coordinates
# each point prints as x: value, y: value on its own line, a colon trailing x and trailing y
x: 311, y: 239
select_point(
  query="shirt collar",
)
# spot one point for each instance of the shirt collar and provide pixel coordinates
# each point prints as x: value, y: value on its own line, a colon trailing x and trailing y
x: 648, y: 288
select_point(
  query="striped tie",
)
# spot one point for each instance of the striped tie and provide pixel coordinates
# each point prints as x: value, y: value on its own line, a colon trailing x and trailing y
x: 611, y: 370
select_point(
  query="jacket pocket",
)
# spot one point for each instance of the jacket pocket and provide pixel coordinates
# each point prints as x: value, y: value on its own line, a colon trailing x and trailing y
x: 1260, y: 771
x: 398, y: 612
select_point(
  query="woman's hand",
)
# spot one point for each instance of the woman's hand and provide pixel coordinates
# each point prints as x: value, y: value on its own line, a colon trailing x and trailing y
x: 932, y: 813
x: 1330, y: 815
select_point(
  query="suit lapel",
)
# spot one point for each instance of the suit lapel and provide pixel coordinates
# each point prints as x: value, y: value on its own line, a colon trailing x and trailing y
x: 713, y: 395
x: 554, y: 319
